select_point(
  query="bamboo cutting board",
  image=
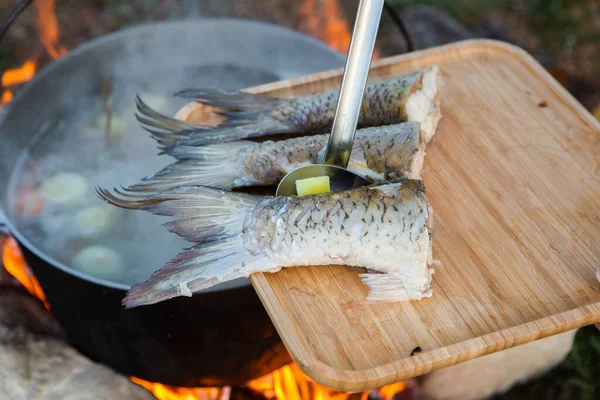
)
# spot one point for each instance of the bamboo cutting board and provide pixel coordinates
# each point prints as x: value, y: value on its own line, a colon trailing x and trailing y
x: 513, y: 176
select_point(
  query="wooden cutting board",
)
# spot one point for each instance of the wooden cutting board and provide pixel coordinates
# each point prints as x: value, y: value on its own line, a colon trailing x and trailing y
x: 513, y: 176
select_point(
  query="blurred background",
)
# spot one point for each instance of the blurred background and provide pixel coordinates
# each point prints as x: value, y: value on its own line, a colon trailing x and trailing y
x: 563, y: 35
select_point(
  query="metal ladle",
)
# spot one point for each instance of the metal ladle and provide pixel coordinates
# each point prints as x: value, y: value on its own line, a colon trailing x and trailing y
x: 343, y: 130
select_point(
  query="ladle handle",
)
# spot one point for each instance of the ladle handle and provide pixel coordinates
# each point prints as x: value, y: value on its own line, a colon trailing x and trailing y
x: 354, y: 82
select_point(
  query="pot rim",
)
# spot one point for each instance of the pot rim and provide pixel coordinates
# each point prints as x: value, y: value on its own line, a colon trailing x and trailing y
x: 115, y: 36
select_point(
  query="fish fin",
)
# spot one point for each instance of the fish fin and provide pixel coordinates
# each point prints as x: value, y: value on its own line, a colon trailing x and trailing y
x: 229, y: 99
x: 217, y: 165
x: 197, y: 269
x: 211, y: 218
x: 391, y: 288
x: 184, y: 202
x: 171, y: 132
x: 248, y: 115
x: 211, y: 153
x: 231, y: 131
x: 165, y: 130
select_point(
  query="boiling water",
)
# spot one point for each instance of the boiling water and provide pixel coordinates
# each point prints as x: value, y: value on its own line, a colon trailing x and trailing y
x: 136, y: 242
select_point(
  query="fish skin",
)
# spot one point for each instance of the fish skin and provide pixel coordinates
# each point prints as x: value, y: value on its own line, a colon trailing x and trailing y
x: 386, y: 229
x: 385, y: 102
x: 327, y: 223
x: 385, y: 151
x: 381, y: 154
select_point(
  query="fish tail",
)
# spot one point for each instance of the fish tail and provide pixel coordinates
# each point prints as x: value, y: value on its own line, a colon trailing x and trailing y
x: 214, y: 153
x: 219, y: 165
x: 248, y: 115
x: 234, y: 130
x: 213, y: 220
x: 165, y: 130
x: 229, y: 99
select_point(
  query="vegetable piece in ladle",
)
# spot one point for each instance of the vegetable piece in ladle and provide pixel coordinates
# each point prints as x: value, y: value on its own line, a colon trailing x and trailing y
x: 317, y: 185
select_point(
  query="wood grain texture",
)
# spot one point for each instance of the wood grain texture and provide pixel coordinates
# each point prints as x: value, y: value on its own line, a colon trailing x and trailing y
x: 513, y: 176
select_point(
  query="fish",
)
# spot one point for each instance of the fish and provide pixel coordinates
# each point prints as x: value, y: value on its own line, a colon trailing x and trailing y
x: 410, y: 97
x: 386, y: 229
x: 379, y: 154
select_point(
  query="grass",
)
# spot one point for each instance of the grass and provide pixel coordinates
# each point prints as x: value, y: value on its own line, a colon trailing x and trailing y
x: 559, y: 24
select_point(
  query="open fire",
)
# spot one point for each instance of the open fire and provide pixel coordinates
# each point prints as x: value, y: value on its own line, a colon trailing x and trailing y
x: 49, y: 34
x: 323, y: 20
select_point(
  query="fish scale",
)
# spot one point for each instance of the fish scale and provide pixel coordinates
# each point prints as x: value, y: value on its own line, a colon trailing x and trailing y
x: 334, y: 222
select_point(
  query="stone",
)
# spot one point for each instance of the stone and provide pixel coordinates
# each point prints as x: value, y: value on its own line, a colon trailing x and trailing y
x: 429, y: 27
x: 37, y: 364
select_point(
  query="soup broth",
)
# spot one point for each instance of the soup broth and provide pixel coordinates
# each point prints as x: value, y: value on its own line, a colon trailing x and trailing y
x: 52, y: 190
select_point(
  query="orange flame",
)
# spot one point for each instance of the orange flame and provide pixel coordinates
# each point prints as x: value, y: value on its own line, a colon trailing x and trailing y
x: 324, y: 20
x: 47, y: 26
x: 7, y: 96
x: 163, y: 392
x: 15, y: 264
x: 286, y: 383
x: 387, y: 392
x: 19, y: 75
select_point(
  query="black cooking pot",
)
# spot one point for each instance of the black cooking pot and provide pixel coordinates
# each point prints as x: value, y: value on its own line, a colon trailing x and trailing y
x: 221, y: 336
